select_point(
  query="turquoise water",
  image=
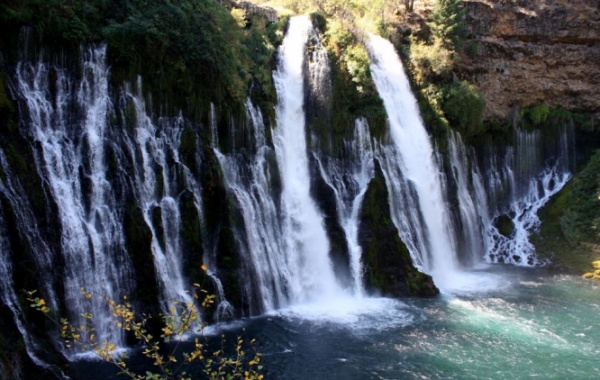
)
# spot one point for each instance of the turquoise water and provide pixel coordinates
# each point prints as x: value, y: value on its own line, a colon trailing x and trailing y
x: 528, y: 325
x: 535, y: 326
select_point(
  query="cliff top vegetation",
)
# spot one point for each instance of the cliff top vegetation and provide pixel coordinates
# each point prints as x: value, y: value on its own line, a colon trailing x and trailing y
x: 198, y: 47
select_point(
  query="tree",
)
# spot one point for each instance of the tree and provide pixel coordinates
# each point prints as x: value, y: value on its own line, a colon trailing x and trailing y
x: 446, y: 22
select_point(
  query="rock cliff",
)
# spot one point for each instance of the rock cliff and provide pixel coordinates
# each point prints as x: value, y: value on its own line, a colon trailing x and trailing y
x: 524, y: 52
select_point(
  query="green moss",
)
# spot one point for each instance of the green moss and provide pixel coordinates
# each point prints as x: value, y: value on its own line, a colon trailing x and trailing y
x: 188, y: 147
x: 541, y: 116
x: 505, y: 225
x: 348, y: 104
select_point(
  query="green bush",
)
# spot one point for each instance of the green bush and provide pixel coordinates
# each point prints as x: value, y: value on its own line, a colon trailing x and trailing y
x: 581, y: 221
x: 464, y: 107
x: 446, y: 22
x: 189, y: 52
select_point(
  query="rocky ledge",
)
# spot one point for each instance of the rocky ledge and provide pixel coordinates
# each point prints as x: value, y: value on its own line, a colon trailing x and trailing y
x: 524, y: 52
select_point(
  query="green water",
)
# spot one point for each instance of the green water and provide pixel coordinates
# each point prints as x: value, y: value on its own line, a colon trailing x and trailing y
x: 526, y: 325
x: 532, y: 326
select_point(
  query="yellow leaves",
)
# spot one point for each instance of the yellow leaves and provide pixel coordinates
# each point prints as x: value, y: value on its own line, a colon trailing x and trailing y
x: 37, y: 303
x: 86, y: 294
x: 184, y: 317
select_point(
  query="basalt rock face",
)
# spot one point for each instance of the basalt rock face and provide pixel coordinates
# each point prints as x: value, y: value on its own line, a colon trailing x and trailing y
x: 530, y: 52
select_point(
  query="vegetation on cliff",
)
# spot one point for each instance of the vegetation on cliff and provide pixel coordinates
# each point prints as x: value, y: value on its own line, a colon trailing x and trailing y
x: 189, y: 52
x: 446, y: 100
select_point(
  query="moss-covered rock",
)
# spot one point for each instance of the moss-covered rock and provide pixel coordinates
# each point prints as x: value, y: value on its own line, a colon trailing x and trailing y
x: 505, y: 225
x: 388, y: 267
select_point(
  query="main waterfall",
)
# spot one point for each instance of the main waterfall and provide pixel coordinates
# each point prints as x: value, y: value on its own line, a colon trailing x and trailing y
x: 307, y: 260
x: 447, y: 239
x: 417, y: 174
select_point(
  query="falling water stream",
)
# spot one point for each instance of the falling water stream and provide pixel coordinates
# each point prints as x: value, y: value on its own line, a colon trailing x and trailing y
x: 421, y: 176
x: 307, y: 260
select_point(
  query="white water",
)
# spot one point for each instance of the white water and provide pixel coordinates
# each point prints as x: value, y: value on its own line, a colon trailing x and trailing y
x: 472, y: 201
x: 527, y: 179
x: 250, y: 181
x: 413, y: 159
x: 307, y: 260
x: 349, y: 192
x: 155, y: 191
x: 92, y: 244
x: 8, y: 293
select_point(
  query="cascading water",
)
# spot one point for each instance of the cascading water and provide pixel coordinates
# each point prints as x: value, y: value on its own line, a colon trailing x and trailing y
x: 349, y: 179
x: 157, y: 196
x: 411, y: 168
x: 90, y: 171
x: 91, y: 236
x: 442, y: 242
x: 526, y: 178
x: 249, y: 180
x: 307, y: 263
x: 12, y: 191
x: 473, y: 217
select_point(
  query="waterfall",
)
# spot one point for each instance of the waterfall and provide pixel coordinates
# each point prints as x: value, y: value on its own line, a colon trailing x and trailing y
x: 103, y: 167
x: 12, y: 191
x: 214, y: 135
x: 519, y: 183
x: 249, y: 180
x: 516, y: 184
x: 70, y: 157
x: 473, y: 218
x: 307, y: 260
x: 349, y: 179
x: 412, y: 167
x: 156, y: 180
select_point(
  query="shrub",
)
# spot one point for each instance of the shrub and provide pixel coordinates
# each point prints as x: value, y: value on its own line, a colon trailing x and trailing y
x: 431, y: 60
x: 446, y: 22
x: 581, y: 221
x: 167, y: 364
x: 463, y: 107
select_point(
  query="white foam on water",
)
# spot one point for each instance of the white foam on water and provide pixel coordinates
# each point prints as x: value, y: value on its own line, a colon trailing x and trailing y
x: 358, y: 314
